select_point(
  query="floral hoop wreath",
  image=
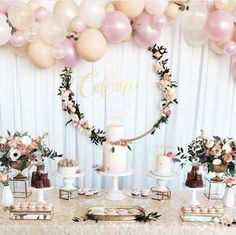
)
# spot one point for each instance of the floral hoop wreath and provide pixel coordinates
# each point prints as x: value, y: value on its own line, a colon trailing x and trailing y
x: 96, y: 135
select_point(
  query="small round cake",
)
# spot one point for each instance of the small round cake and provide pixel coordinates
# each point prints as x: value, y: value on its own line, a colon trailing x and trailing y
x: 68, y: 166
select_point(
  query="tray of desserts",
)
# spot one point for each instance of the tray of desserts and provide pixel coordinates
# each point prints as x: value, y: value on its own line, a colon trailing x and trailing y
x: 85, y: 193
x: 202, y: 213
x: 114, y: 213
x: 31, y: 211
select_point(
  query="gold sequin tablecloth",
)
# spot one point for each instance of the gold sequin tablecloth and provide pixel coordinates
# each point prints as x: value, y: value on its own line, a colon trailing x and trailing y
x: 169, y: 223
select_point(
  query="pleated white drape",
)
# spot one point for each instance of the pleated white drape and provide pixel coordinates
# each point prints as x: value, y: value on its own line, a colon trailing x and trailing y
x: 206, y: 94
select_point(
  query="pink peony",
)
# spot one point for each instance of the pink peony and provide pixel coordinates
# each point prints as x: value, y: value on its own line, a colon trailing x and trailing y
x: 167, y: 113
x: 22, y: 148
x: 170, y: 155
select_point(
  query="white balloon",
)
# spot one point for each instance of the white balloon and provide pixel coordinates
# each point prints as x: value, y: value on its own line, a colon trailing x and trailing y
x: 195, y: 18
x: 92, y: 12
x: 156, y: 7
x: 195, y: 37
x: 5, y: 30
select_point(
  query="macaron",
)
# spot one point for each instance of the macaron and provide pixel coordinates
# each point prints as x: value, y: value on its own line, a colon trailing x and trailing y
x: 212, y: 210
x: 196, y: 210
x: 89, y: 193
x: 40, y: 205
x: 204, y: 210
x: 220, y: 210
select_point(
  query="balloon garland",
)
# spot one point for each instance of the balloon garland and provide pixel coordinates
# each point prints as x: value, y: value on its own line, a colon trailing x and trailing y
x: 97, y: 136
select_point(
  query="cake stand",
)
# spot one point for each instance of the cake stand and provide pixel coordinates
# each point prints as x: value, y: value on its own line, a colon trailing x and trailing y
x: 40, y: 192
x: 162, y: 179
x: 194, y: 200
x: 115, y: 194
x: 68, y: 180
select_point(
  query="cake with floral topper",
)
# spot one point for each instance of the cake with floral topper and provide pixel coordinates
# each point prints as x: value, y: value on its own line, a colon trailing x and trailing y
x: 114, y: 150
x: 68, y: 166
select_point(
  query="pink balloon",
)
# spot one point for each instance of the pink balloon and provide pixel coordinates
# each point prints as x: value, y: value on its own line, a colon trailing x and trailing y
x: 40, y: 13
x: 71, y: 58
x: 78, y: 25
x: 159, y: 21
x: 219, y: 25
x: 4, y: 5
x: 233, y: 70
x: 116, y: 27
x: 17, y: 39
x: 230, y: 48
x: 147, y: 33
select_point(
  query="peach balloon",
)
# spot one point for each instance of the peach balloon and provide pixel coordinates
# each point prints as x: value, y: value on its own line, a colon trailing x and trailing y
x: 132, y: 8
x: 217, y: 47
x: 226, y: 5
x: 40, y: 54
x: 66, y: 9
x: 91, y: 45
x: 172, y: 12
x: 109, y: 7
x: 20, y: 51
x: 33, y: 5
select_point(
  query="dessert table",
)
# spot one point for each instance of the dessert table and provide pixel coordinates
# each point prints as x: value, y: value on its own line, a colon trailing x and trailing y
x: 169, y: 223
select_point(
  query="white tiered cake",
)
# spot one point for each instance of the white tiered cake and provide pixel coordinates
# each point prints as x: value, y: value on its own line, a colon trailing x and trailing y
x: 163, y: 165
x: 115, y: 161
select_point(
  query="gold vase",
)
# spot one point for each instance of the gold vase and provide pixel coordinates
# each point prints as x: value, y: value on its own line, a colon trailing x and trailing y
x: 20, y: 166
x: 217, y: 170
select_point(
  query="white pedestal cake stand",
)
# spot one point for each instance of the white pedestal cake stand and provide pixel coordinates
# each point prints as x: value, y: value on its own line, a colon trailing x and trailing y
x: 40, y: 192
x: 68, y: 180
x: 194, y: 200
x: 115, y: 194
x: 162, y: 179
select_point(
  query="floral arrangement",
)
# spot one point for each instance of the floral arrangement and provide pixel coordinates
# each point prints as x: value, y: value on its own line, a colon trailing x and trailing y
x: 230, y: 181
x: 67, y: 163
x: 18, y: 150
x: 218, y: 154
x: 96, y: 135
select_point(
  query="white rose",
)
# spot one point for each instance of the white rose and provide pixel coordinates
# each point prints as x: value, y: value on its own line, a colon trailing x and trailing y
x: 14, y: 154
x: 26, y: 140
x: 226, y: 147
x: 3, y: 140
x: 210, y: 144
x: 217, y: 162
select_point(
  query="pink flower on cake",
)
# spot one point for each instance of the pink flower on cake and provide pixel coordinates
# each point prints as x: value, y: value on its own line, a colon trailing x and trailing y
x: 121, y: 142
x: 229, y: 181
x: 170, y: 155
x: 103, y: 168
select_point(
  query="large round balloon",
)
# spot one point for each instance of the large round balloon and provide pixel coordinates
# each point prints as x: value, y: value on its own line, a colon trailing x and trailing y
x: 40, y: 54
x: 116, y: 27
x: 66, y: 9
x: 156, y: 7
x: 172, y: 11
x: 91, y: 45
x: 195, y: 18
x: 5, y: 30
x: 20, y: 16
x: 17, y: 39
x: 53, y: 30
x: 219, y: 25
x: 92, y: 13
x: 195, y: 37
x: 131, y: 8
x: 71, y: 57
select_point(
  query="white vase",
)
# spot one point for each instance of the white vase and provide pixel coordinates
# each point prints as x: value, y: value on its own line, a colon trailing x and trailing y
x: 7, y: 197
x: 228, y: 198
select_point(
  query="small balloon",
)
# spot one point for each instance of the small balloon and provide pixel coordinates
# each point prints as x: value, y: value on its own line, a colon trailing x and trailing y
x: 40, y: 13
x: 219, y: 25
x: 53, y: 30
x: 92, y: 13
x: 20, y: 16
x: 67, y: 10
x: 230, y: 48
x: 156, y: 7
x: 5, y: 30
x: 17, y: 39
x: 71, y: 57
x: 116, y: 27
x: 78, y: 25
x: 91, y: 45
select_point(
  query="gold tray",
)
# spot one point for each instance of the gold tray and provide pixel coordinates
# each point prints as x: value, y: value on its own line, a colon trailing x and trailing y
x: 114, y: 213
x: 43, y: 214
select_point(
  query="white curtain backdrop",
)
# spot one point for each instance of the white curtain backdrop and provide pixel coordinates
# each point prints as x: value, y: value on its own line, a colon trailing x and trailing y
x: 206, y: 94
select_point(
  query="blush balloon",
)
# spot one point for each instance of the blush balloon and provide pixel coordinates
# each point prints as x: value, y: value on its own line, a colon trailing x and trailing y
x: 17, y: 39
x: 116, y: 27
x: 159, y: 21
x: 40, y: 13
x: 78, y: 25
x: 230, y: 48
x: 4, y: 5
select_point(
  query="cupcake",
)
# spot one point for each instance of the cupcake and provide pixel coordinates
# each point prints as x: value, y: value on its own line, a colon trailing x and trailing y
x: 204, y: 210
x: 145, y: 192
x: 220, y: 210
x: 40, y: 205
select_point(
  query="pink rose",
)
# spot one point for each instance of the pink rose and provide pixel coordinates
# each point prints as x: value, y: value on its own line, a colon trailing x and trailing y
x: 170, y: 155
x: 167, y: 113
